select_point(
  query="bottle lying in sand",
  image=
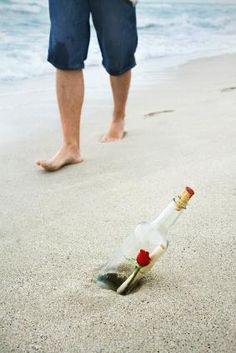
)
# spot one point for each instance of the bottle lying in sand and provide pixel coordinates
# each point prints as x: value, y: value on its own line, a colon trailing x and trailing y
x: 142, y: 249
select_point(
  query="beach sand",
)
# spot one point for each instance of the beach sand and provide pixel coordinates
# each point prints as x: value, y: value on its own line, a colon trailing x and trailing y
x: 57, y: 229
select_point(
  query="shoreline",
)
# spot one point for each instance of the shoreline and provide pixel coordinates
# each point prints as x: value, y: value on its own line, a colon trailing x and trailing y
x: 174, y: 62
x: 57, y: 229
x: 42, y: 90
x: 141, y: 68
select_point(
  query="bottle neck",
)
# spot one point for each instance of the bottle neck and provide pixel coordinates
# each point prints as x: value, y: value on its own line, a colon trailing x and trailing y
x: 167, y: 218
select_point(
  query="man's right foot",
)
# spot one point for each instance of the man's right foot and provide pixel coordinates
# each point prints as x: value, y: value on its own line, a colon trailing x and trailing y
x: 66, y: 155
x: 115, y: 133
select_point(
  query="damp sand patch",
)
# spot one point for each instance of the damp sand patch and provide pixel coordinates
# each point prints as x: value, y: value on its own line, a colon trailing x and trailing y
x: 228, y: 89
x: 154, y: 114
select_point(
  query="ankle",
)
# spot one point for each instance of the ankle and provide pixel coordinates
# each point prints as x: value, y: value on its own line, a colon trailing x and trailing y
x: 72, y: 146
x: 118, y: 117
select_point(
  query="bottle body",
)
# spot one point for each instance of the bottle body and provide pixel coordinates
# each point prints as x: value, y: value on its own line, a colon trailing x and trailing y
x: 150, y: 236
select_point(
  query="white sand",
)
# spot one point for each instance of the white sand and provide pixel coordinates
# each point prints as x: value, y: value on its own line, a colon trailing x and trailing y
x: 57, y: 229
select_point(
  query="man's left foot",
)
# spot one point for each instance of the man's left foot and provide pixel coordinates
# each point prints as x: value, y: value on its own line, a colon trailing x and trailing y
x: 115, y: 133
x: 66, y: 155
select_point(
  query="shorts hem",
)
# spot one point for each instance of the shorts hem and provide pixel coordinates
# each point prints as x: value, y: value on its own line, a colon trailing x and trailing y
x: 118, y: 73
x: 64, y: 67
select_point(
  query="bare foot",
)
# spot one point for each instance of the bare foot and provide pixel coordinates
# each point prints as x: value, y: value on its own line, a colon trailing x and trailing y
x: 66, y: 155
x: 116, y: 132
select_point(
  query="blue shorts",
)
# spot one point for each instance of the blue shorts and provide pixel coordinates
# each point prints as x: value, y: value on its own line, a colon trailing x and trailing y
x: 115, y: 24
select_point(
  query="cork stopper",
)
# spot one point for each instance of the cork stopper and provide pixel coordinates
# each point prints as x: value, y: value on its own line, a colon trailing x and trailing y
x: 182, y: 200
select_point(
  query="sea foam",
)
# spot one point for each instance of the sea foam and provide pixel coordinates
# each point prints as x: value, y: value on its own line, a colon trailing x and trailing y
x: 170, y: 30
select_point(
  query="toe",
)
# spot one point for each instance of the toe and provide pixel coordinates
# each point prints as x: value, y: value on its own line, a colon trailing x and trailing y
x: 44, y: 164
x: 107, y: 138
x: 49, y: 166
x: 103, y: 138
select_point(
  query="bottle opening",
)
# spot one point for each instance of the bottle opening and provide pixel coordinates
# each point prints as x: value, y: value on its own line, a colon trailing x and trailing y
x: 190, y: 191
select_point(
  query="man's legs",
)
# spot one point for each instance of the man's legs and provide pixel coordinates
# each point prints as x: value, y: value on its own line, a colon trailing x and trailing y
x: 70, y: 94
x: 120, y: 89
x: 68, y: 47
x: 115, y: 24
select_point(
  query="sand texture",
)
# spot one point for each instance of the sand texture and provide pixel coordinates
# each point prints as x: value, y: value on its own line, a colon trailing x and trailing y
x: 57, y: 229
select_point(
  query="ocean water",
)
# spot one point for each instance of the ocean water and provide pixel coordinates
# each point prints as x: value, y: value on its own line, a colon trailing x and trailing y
x: 168, y: 31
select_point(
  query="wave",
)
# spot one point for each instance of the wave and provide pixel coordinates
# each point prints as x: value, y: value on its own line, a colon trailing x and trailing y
x: 166, y: 30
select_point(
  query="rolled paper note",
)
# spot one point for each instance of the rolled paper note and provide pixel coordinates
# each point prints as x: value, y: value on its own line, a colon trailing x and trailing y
x: 132, y: 278
x: 136, y: 276
x: 157, y: 252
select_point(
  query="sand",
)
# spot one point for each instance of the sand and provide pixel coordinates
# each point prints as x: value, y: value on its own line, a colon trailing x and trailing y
x: 57, y: 229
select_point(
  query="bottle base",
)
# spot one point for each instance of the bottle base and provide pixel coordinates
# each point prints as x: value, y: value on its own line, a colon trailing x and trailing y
x: 110, y: 280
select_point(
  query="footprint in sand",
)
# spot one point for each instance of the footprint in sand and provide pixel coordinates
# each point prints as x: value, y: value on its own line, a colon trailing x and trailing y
x: 153, y: 114
x: 228, y: 89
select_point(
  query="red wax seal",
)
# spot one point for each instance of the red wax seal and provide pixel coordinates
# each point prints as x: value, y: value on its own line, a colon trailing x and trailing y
x: 189, y: 190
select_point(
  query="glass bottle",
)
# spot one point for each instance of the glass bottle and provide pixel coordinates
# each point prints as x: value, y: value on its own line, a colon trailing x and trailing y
x: 121, y: 273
